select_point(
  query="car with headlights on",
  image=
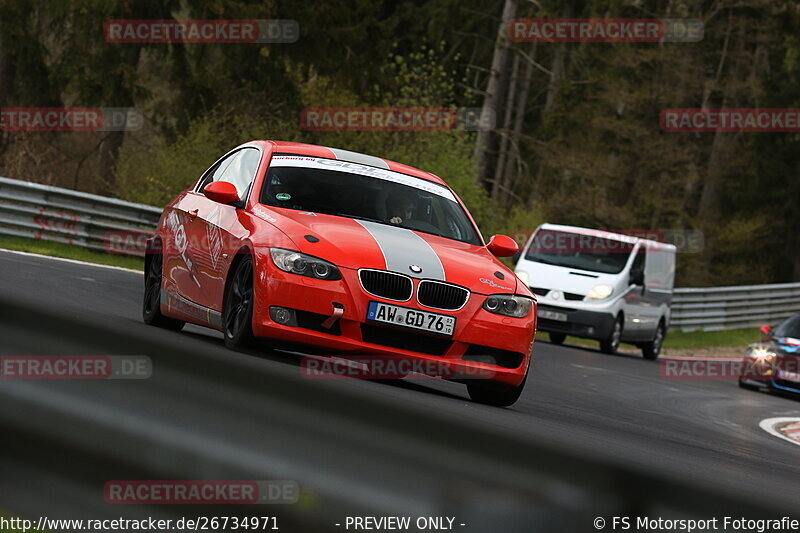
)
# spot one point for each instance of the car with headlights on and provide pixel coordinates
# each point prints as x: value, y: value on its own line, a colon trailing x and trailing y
x: 774, y: 363
x: 342, y: 253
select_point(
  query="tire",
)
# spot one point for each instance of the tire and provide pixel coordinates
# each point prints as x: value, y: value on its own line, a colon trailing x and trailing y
x: 610, y: 345
x: 495, y: 394
x: 651, y: 350
x: 237, y: 318
x: 151, y: 303
x: 557, y: 338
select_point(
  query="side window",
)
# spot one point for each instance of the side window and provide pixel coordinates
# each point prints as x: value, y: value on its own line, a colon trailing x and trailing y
x: 239, y: 168
x: 638, y: 262
x: 637, y: 269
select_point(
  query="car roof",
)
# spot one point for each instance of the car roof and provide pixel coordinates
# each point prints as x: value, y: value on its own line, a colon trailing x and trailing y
x: 354, y: 157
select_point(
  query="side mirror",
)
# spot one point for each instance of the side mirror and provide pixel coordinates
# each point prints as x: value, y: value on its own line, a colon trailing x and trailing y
x: 766, y: 330
x: 502, y: 246
x: 221, y: 192
x: 637, y: 277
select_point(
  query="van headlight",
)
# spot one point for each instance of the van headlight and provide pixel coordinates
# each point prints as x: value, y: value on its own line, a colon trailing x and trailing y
x: 304, y: 265
x: 600, y: 292
x: 508, y: 305
x: 523, y: 276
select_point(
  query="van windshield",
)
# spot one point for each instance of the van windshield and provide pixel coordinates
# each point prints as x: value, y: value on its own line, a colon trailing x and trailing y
x: 579, y: 251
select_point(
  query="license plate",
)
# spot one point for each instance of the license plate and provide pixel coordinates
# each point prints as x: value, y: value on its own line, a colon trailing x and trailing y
x: 411, y: 318
x: 788, y: 376
x: 551, y: 315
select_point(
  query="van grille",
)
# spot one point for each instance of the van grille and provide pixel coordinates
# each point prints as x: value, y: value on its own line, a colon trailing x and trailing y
x: 441, y: 295
x: 386, y: 284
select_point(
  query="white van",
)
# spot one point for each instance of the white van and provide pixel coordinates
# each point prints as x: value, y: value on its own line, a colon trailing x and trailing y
x: 600, y: 285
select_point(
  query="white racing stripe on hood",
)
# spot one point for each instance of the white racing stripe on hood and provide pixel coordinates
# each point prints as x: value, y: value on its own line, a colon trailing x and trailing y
x: 402, y: 248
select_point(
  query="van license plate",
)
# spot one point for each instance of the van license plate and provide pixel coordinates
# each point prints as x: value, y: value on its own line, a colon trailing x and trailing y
x: 551, y: 315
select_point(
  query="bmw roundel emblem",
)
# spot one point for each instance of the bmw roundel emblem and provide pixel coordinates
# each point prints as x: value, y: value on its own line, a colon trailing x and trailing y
x: 415, y: 269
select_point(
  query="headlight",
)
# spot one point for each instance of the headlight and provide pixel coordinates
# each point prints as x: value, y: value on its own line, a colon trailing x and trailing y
x: 523, y: 276
x: 508, y: 305
x: 600, y: 292
x: 304, y: 265
x: 760, y: 352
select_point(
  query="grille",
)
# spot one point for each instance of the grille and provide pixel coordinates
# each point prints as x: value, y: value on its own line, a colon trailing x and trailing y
x: 386, y: 284
x: 572, y: 296
x: 539, y: 291
x: 441, y: 295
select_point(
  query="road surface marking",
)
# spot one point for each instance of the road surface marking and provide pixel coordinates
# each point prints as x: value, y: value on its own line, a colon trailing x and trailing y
x: 74, y: 261
x: 784, y: 427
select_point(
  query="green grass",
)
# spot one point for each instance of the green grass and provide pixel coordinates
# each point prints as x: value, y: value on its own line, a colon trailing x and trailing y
x: 706, y: 339
x: 57, y: 249
x: 680, y: 340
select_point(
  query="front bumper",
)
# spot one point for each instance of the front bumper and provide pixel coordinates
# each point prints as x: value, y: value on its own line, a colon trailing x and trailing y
x: 579, y: 323
x: 479, y: 336
x: 759, y: 373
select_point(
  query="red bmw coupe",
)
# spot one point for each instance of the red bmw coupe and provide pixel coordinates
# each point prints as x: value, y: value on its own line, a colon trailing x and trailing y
x: 342, y: 253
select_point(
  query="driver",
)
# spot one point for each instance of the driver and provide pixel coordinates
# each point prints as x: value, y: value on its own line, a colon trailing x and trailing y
x: 399, y: 207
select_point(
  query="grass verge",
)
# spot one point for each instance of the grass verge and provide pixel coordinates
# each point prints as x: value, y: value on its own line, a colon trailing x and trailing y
x: 57, y: 249
x: 693, y: 340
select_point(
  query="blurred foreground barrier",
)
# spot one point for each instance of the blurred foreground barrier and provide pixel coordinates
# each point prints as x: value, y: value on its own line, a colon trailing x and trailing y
x: 718, y: 308
x: 203, y: 415
x: 81, y: 219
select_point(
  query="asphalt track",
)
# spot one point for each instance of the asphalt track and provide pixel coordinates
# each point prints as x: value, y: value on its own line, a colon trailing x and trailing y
x: 617, y: 407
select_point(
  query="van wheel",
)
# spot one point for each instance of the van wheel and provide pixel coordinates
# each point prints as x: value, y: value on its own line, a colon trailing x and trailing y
x: 652, y: 349
x: 610, y: 344
x: 557, y: 338
x: 496, y: 394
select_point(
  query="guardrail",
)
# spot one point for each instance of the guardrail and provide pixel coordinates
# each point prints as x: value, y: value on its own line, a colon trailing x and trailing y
x: 62, y: 215
x: 718, y: 308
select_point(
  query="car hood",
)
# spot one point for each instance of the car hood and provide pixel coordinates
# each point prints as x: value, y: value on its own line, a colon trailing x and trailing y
x: 788, y: 344
x: 563, y: 278
x: 356, y: 244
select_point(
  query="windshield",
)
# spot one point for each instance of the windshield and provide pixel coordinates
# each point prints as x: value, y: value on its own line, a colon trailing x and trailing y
x: 368, y: 193
x: 580, y: 251
x: 789, y: 328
